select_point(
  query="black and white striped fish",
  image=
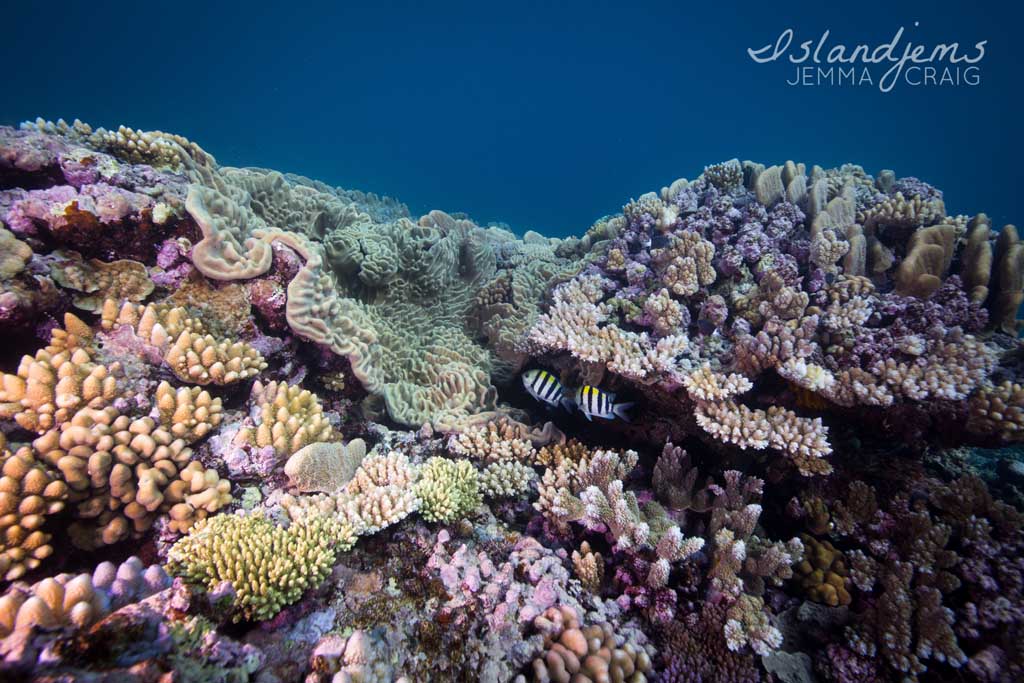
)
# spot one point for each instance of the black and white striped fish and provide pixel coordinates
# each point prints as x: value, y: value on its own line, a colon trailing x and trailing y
x: 544, y: 387
x: 596, y: 403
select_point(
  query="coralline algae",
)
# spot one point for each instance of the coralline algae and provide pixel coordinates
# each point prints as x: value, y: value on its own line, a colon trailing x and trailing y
x: 301, y: 408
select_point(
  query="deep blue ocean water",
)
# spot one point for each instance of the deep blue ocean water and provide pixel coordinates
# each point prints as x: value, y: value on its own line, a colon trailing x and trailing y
x: 542, y: 115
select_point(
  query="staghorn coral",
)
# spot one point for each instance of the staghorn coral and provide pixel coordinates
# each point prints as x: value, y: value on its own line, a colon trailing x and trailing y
x: 266, y: 566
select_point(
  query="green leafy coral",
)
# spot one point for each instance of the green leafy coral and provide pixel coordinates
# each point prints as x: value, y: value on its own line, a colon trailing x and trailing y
x: 267, y: 566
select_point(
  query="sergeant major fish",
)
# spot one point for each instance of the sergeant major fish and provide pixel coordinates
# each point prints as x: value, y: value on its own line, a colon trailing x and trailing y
x: 596, y: 403
x: 545, y: 387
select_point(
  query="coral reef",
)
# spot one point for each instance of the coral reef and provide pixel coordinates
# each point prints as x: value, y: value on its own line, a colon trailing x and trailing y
x: 304, y: 405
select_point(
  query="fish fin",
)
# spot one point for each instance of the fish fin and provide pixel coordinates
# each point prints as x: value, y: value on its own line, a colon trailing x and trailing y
x: 587, y: 415
x: 568, y: 403
x: 620, y: 411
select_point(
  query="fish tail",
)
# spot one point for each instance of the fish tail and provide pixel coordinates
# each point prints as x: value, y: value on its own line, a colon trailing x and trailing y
x: 620, y: 411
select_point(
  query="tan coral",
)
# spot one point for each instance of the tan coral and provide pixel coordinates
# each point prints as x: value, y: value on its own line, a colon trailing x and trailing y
x: 587, y: 654
x: 189, y: 413
x: 196, y: 494
x: 998, y: 411
x: 589, y: 567
x: 824, y: 572
x: 29, y: 492
x: 60, y: 379
x: 494, y: 441
x: 976, y: 260
x: 928, y: 257
x: 63, y: 600
x: 188, y: 348
x: 124, y: 473
x: 1009, y: 283
x: 684, y: 266
x: 204, y: 359
x: 289, y: 419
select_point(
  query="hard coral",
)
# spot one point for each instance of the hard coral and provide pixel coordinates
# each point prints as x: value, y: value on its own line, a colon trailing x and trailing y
x: 267, y: 567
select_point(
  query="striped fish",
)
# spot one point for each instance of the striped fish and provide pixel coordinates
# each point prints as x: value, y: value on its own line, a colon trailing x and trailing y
x: 544, y: 387
x: 596, y: 403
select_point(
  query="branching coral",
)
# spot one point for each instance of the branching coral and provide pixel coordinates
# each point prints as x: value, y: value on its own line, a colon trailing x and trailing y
x: 29, y: 491
x: 495, y: 441
x: 380, y: 493
x: 188, y: 349
x: 266, y: 566
x: 579, y: 322
x: 448, y: 490
x: 803, y: 440
x: 289, y: 418
x: 506, y: 479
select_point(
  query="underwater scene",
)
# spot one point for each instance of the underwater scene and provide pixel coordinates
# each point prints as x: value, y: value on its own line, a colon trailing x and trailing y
x: 746, y: 419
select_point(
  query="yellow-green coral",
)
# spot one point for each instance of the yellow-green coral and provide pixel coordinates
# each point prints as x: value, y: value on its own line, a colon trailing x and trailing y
x: 448, y: 489
x: 267, y: 566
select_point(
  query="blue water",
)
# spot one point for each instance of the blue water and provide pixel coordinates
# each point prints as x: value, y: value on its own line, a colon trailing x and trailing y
x: 542, y: 117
